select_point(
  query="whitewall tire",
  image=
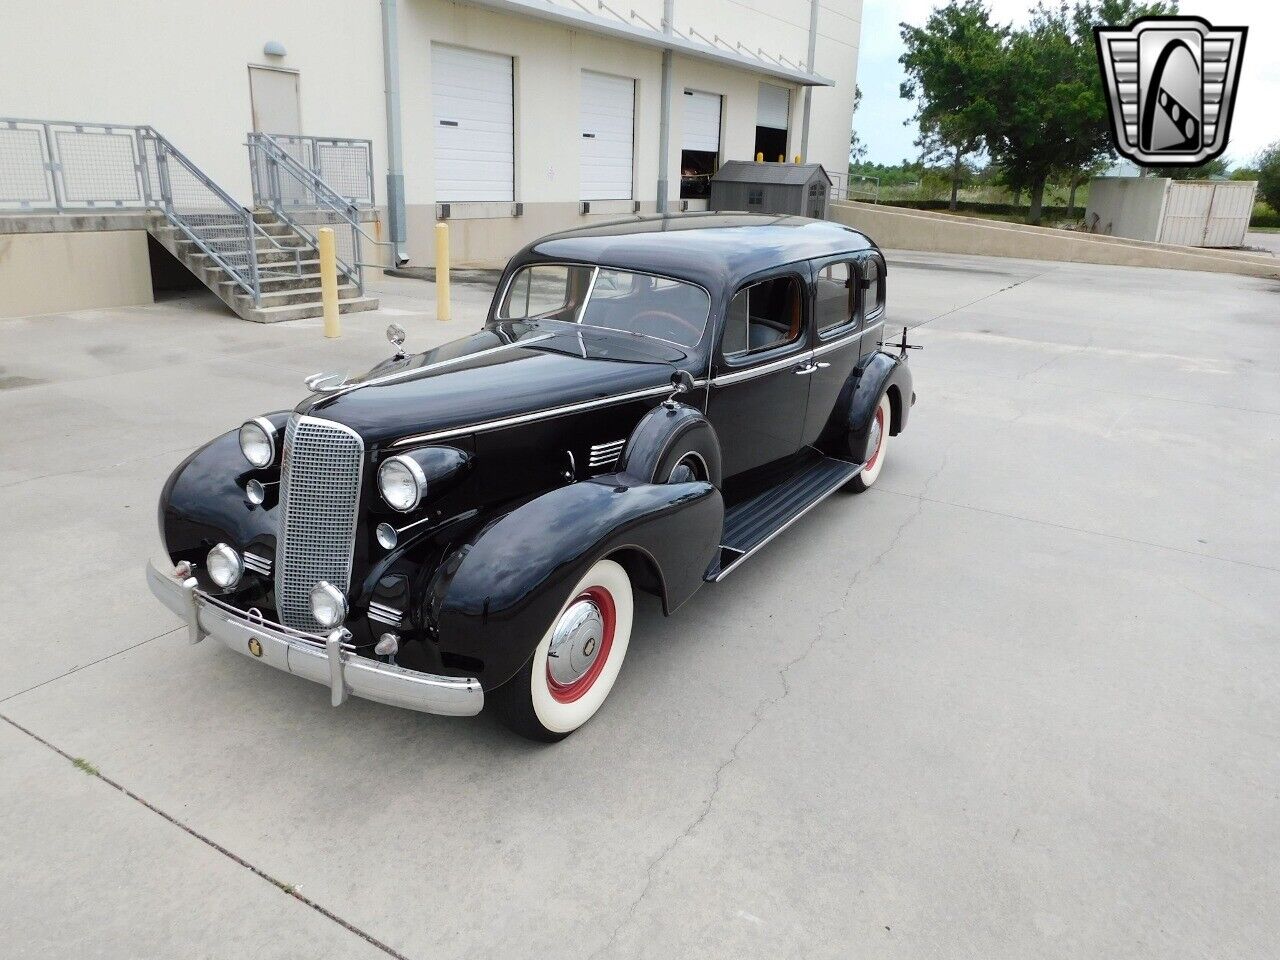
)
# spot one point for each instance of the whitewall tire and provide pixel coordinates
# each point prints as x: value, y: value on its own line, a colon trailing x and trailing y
x: 577, y: 660
x: 877, y: 446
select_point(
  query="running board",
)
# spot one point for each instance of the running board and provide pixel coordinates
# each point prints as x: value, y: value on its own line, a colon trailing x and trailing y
x: 749, y: 525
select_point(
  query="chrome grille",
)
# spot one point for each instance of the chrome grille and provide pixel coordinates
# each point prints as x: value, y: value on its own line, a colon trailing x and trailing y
x: 319, y: 499
x: 605, y: 454
x: 257, y: 563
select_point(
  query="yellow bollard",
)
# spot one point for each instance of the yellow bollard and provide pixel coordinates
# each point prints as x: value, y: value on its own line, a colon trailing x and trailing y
x: 797, y: 158
x: 442, y: 271
x: 782, y: 158
x: 329, y: 283
x: 760, y: 157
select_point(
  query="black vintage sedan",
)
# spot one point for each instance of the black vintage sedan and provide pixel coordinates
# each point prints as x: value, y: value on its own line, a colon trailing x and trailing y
x: 649, y: 404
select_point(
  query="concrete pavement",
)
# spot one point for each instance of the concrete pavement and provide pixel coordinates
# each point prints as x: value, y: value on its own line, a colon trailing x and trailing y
x: 1019, y: 700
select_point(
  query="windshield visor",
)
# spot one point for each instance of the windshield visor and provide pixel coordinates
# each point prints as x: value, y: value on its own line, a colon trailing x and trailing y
x: 636, y: 303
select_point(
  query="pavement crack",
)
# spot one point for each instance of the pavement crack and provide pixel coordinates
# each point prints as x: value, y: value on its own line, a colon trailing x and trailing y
x: 762, y: 711
x: 288, y: 889
x: 85, y: 666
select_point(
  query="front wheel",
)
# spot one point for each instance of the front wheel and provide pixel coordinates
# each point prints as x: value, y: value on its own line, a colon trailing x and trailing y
x: 878, y: 444
x: 575, y: 664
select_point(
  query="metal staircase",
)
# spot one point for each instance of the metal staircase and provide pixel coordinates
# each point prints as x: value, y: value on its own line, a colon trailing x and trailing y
x: 262, y: 263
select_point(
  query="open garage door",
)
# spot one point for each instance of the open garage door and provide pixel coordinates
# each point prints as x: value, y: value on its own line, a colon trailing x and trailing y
x: 607, y: 142
x: 474, y: 116
x: 773, y: 114
x: 699, y: 143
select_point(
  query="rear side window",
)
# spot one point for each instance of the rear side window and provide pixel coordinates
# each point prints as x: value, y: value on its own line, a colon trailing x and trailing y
x: 835, y: 300
x: 763, y: 316
x: 874, y: 277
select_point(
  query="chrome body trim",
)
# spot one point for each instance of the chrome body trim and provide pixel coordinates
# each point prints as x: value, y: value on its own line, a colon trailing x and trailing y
x: 547, y: 414
x: 257, y: 563
x: 791, y: 360
x: 344, y: 389
x: 385, y: 614
x: 327, y: 660
x: 605, y: 454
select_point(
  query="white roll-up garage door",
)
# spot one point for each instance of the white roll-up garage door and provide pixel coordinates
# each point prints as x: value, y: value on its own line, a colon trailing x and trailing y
x: 474, y: 125
x: 774, y: 106
x: 608, y: 119
x: 701, y: 122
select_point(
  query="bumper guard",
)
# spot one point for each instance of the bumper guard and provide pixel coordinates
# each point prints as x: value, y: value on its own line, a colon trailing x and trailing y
x: 323, y: 659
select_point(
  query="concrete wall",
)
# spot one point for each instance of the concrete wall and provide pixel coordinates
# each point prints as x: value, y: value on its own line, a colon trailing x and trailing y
x: 1127, y: 206
x: 186, y: 73
x: 899, y: 229
x: 57, y: 272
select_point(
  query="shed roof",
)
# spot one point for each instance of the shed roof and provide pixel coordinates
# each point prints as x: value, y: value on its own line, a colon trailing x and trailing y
x: 746, y: 171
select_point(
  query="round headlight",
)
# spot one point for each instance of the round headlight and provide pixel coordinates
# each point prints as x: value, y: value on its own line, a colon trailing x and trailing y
x: 402, y: 483
x: 387, y: 536
x: 255, y: 492
x: 328, y: 605
x: 225, y: 566
x: 258, y: 442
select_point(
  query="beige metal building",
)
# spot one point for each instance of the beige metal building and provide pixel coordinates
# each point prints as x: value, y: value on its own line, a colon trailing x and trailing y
x: 507, y: 118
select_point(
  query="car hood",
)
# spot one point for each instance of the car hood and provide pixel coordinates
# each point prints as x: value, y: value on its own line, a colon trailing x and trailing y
x: 502, y: 371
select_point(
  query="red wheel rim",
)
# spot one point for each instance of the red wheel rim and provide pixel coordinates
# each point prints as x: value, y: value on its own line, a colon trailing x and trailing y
x: 879, y: 439
x: 569, y: 692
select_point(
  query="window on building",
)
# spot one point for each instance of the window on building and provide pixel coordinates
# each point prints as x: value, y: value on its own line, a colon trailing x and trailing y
x: 835, y: 301
x: 773, y: 111
x: 755, y: 198
x: 763, y: 316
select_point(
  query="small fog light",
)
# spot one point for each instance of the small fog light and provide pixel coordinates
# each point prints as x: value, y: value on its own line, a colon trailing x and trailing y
x: 225, y: 566
x: 387, y: 645
x: 387, y: 536
x: 328, y: 605
x: 255, y: 491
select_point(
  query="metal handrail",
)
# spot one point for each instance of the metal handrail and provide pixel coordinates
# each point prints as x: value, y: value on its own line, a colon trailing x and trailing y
x: 247, y: 279
x: 312, y: 152
x: 266, y: 155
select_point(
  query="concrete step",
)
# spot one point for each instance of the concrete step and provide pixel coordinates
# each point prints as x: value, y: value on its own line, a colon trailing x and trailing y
x: 280, y: 298
x: 194, y: 255
x: 234, y: 243
x: 272, y: 283
x: 306, y: 311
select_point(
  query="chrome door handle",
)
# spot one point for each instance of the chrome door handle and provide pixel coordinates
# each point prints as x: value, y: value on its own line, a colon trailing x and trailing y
x: 822, y: 365
x: 805, y: 370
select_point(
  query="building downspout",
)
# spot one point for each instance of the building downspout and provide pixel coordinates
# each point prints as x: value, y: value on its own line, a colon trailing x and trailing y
x: 664, y: 118
x: 808, y: 91
x: 395, y: 153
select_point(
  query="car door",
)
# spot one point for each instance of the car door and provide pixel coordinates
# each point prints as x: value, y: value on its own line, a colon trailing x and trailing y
x: 760, y: 372
x: 837, y: 342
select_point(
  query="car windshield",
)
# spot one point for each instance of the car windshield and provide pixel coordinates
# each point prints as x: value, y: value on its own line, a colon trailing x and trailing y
x: 636, y: 303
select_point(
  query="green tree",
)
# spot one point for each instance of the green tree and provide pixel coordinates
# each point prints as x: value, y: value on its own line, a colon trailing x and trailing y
x: 1051, y: 110
x: 1268, y: 164
x: 1213, y: 168
x: 857, y: 149
x: 951, y: 65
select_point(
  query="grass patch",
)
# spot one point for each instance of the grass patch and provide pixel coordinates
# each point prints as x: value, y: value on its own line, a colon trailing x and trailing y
x: 83, y: 765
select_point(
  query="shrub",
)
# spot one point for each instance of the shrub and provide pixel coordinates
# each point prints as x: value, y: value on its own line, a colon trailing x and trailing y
x: 1268, y: 164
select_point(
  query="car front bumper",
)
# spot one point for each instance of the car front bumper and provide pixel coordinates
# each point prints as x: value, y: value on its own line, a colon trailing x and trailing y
x: 322, y: 659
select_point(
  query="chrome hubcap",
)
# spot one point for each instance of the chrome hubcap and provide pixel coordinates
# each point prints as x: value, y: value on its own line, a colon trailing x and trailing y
x: 873, y: 441
x: 575, y: 643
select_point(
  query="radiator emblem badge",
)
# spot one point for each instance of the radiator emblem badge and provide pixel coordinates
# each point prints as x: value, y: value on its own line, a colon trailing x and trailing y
x: 255, y: 646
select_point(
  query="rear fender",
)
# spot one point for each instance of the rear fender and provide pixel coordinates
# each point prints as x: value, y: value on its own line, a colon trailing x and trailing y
x: 880, y: 374
x: 494, y: 597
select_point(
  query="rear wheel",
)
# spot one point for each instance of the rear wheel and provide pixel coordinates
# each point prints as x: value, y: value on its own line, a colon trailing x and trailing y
x: 576, y: 662
x: 877, y: 445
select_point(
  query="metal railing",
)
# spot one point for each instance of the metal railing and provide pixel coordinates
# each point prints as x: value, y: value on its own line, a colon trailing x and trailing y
x: 69, y: 166
x: 306, y: 201
x: 857, y: 188
x: 345, y: 164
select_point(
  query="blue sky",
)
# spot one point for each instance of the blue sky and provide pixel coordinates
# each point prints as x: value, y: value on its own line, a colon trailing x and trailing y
x: 879, y: 120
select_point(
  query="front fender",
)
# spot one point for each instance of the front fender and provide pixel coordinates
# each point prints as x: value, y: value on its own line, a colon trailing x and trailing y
x: 494, y: 597
x: 882, y: 373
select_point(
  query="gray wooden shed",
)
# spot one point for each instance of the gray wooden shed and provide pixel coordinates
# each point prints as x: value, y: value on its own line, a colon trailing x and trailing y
x: 799, y: 188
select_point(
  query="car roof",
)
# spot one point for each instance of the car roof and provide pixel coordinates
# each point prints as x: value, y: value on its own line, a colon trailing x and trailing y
x: 716, y: 250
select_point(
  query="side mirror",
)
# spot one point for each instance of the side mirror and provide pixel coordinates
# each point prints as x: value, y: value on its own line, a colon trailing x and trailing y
x: 682, y: 381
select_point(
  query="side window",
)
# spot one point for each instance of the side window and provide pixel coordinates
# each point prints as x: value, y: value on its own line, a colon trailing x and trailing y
x: 835, y: 303
x: 762, y: 316
x: 875, y: 285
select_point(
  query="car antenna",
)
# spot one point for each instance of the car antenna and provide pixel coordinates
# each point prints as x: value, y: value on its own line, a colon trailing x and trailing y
x: 902, y: 344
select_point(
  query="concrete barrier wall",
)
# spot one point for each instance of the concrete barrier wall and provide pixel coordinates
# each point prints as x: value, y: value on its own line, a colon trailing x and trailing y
x: 896, y: 228
x: 56, y: 272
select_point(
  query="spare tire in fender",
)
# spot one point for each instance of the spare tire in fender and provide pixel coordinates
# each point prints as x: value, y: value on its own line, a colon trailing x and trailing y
x: 673, y: 442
